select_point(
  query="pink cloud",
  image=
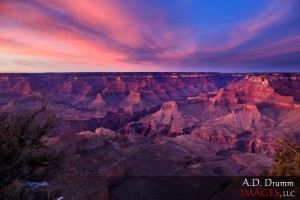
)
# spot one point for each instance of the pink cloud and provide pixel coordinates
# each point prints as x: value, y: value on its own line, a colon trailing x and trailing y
x: 108, y: 35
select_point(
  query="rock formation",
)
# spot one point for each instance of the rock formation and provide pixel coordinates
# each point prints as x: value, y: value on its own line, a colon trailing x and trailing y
x: 112, y: 125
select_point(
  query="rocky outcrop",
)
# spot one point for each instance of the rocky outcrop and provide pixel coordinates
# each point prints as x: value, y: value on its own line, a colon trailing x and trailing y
x: 170, y: 106
x: 22, y: 88
x: 285, y: 84
x: 90, y: 165
x: 132, y: 102
x: 65, y: 89
x: 107, y: 134
x: 256, y: 89
x: 223, y: 97
x: 97, y: 103
x: 169, y: 120
x: 116, y: 87
x: 78, y: 142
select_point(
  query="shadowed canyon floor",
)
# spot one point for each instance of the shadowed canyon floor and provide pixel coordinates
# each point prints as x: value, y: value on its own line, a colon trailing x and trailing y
x: 116, y: 125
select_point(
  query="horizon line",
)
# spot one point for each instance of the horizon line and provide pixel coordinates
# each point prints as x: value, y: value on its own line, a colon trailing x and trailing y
x: 73, y: 72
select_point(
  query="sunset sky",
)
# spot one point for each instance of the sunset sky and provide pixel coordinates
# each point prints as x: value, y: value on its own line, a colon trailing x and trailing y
x: 149, y: 35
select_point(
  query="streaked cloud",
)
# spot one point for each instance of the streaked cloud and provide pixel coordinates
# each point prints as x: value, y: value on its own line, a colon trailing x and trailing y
x: 100, y: 35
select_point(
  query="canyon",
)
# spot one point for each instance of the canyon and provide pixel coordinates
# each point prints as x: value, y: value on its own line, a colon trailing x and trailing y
x: 118, y: 129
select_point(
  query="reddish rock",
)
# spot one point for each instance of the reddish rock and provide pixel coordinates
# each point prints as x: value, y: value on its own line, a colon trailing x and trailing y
x: 5, y: 84
x: 97, y: 103
x: 106, y: 133
x: 22, y: 88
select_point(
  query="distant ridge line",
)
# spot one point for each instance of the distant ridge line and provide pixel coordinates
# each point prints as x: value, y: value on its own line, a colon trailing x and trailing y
x: 146, y: 73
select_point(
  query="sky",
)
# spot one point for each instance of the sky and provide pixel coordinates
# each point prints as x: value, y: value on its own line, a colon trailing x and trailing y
x: 150, y: 35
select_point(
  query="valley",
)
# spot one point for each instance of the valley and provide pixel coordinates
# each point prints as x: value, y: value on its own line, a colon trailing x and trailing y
x: 160, y: 124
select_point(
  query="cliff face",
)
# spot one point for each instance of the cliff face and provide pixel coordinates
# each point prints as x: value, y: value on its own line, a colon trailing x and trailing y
x: 213, y: 106
x: 85, y: 101
x: 99, y: 94
x: 112, y: 125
